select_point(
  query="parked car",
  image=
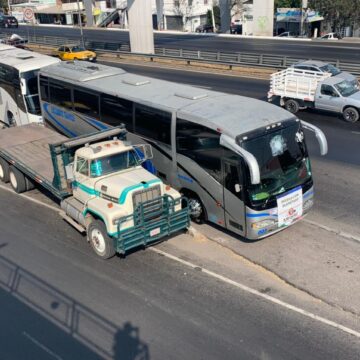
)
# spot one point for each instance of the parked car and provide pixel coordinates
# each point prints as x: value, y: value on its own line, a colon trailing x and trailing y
x: 331, y: 36
x: 74, y: 52
x: 8, y: 21
x: 323, y: 67
x: 17, y: 41
x: 287, y: 34
x: 204, y: 28
x: 236, y: 27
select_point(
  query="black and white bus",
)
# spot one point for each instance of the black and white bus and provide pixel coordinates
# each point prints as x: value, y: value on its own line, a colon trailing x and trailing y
x: 19, y: 98
x: 242, y: 162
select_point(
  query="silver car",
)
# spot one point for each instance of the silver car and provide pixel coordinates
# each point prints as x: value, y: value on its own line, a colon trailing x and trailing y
x: 323, y: 67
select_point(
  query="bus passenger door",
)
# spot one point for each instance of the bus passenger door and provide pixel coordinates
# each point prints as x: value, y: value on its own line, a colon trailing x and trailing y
x: 234, y: 207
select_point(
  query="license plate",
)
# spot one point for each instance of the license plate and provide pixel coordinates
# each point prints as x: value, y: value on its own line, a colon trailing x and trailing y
x: 154, y: 232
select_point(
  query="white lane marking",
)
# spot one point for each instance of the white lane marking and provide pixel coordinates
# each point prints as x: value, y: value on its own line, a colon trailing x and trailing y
x: 229, y: 281
x: 42, y: 346
x: 259, y: 294
x: 39, y: 202
x: 329, y: 229
x: 356, y: 132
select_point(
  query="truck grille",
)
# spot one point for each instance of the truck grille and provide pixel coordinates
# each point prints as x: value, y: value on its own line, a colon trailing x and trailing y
x: 150, y: 201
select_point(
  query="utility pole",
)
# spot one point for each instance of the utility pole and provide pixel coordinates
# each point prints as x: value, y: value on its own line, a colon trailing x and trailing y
x: 212, y: 16
x: 304, y: 5
x: 80, y: 24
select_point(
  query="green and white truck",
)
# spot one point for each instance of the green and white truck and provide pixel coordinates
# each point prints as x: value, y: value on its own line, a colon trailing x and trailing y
x: 98, y: 178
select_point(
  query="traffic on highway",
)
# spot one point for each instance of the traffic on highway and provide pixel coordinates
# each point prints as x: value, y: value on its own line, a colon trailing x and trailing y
x: 241, y: 185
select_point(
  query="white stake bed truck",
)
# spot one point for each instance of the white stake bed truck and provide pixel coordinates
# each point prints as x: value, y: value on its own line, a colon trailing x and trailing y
x: 300, y: 89
x: 99, y: 180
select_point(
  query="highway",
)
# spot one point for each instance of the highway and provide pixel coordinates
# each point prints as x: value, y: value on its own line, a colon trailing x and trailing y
x: 58, y: 300
x: 69, y: 304
x: 335, y: 50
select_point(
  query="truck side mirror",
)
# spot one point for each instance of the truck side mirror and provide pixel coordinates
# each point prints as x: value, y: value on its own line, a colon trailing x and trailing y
x: 144, y: 151
x: 69, y: 171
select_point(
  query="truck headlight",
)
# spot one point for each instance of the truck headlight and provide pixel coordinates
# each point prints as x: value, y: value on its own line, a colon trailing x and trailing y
x: 263, y: 224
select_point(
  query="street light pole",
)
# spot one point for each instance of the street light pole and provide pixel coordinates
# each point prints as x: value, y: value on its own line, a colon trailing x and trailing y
x: 80, y: 24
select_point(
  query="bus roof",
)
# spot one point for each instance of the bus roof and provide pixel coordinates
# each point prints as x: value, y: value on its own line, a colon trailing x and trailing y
x: 24, y: 60
x: 230, y: 114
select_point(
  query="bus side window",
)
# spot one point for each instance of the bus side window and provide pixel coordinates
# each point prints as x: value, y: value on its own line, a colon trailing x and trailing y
x: 200, y: 144
x: 153, y: 123
x: 115, y: 111
x: 60, y: 95
x: 86, y: 103
x: 44, y: 88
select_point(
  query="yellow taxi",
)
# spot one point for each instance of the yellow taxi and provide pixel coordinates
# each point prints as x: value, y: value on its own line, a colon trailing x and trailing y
x: 75, y: 52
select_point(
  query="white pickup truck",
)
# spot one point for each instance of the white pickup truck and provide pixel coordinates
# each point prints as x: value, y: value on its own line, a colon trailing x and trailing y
x: 102, y: 187
x: 300, y: 89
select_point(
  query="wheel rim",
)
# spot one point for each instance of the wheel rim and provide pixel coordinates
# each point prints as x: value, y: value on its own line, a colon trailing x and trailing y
x: 98, y: 241
x: 13, y: 180
x: 350, y: 115
x: 195, y: 208
x: 1, y: 172
x: 291, y: 107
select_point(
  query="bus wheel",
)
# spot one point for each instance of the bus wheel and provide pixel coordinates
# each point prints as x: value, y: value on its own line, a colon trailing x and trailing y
x: 197, y: 211
x: 17, y: 180
x: 292, y: 106
x: 100, y: 241
x: 4, y: 171
x: 11, y: 119
x: 351, y: 115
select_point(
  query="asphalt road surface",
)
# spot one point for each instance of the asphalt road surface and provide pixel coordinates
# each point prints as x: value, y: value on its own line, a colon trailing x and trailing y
x: 58, y: 300
x: 326, y: 50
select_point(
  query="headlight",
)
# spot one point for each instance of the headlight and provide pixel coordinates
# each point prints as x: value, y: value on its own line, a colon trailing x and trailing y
x: 263, y: 224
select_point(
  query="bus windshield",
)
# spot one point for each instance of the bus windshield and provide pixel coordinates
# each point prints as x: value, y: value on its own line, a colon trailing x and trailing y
x: 32, y: 94
x: 283, y: 161
x: 114, y: 163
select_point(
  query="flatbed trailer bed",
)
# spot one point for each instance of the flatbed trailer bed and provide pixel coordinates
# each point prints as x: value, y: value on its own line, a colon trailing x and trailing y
x: 27, y: 148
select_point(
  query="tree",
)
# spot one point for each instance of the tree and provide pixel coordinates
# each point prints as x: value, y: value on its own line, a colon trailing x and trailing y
x: 339, y: 13
x: 4, y: 5
x: 287, y: 4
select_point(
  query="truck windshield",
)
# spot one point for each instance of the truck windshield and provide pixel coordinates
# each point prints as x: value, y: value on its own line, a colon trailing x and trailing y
x: 346, y: 88
x: 283, y: 161
x: 328, y: 68
x: 114, y: 163
x: 32, y: 95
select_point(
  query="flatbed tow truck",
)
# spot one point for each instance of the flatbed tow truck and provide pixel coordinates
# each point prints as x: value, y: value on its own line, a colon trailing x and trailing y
x: 98, y: 178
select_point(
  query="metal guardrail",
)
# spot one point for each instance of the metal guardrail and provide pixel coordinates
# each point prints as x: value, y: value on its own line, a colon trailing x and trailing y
x: 221, y: 58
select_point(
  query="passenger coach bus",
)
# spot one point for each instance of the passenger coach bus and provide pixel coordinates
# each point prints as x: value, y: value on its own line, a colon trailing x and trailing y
x: 243, y: 163
x: 19, y: 98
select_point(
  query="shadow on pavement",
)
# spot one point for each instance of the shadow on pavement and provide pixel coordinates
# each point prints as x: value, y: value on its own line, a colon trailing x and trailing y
x: 40, y: 322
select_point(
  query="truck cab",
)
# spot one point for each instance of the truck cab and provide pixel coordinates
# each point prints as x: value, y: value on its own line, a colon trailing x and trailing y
x: 339, y: 96
x: 114, y: 197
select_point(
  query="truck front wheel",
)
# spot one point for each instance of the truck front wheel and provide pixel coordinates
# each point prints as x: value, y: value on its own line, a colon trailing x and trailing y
x: 100, y: 241
x: 351, y: 114
x: 292, y: 106
x: 17, y: 180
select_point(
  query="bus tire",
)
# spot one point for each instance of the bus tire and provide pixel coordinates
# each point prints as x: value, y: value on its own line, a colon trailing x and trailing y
x: 196, y: 207
x: 292, y: 106
x: 11, y: 119
x: 17, y: 180
x: 351, y: 114
x: 100, y: 241
x: 4, y: 171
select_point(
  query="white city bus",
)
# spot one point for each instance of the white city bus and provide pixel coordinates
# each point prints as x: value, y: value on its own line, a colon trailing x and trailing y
x: 242, y: 163
x: 19, y: 97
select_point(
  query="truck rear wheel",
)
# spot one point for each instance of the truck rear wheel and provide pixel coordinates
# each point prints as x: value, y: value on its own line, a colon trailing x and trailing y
x: 4, y: 171
x: 100, y: 241
x: 351, y: 114
x: 292, y: 106
x: 17, y: 180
